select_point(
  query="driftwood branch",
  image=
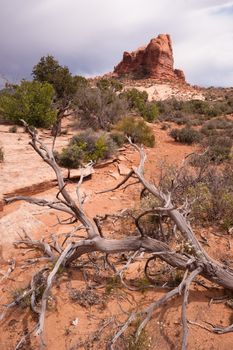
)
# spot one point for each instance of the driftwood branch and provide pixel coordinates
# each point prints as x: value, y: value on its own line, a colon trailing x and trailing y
x: 199, y: 263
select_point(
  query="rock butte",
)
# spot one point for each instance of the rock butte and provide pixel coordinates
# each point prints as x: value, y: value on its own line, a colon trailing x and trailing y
x: 152, y: 61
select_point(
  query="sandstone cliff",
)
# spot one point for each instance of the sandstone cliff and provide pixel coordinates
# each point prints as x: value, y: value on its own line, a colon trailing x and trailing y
x: 152, y: 61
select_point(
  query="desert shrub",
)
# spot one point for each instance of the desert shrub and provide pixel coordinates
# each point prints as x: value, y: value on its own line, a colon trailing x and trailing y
x: 207, y: 188
x: 142, y: 342
x: 31, y: 101
x: 218, y: 127
x: 169, y: 106
x: 105, y: 84
x: 165, y: 126
x: 138, y: 101
x: 136, y: 98
x: 70, y: 157
x: 185, y: 135
x: 13, y: 129
x: 99, y: 108
x: 224, y: 203
x: 219, y: 148
x: 218, y: 123
x: 183, y: 111
x: 202, y: 201
x: 84, y: 147
x: 182, y: 121
x: 86, y: 297
x: 195, y: 122
x: 1, y: 155
x: 149, y: 111
x: 137, y: 129
x: 96, y: 145
x: 208, y: 131
x: 199, y: 107
x: 118, y: 137
x: 23, y: 302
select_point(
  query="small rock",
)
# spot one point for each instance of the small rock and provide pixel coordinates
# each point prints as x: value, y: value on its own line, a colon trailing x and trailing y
x: 123, y: 169
x: 75, y: 322
x: 121, y: 157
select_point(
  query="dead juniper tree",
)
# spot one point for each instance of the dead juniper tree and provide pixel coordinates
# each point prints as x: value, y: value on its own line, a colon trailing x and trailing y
x: 196, y: 263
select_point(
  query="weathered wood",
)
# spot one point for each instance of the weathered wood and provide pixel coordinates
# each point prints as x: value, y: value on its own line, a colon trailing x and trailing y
x: 198, y: 263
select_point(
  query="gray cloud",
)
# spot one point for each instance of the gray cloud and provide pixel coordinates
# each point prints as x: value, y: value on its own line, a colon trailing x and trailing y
x: 89, y: 36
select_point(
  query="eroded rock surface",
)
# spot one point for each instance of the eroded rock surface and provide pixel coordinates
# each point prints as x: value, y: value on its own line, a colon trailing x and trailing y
x: 153, y: 61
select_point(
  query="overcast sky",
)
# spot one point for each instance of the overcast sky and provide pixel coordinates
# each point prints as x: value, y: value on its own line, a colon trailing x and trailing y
x: 89, y: 36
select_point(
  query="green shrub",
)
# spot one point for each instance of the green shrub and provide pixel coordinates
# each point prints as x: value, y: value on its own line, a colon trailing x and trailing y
x: 48, y: 70
x: 182, y: 121
x: 1, y: 155
x: 99, y: 108
x: 85, y: 147
x: 186, y: 135
x: 195, y: 122
x: 23, y: 298
x: 208, y: 188
x: 212, y: 204
x: 218, y: 123
x: 218, y: 127
x: 31, y: 101
x: 118, y: 137
x: 225, y: 201
x: 209, y: 132
x: 149, y: 112
x: 105, y: 84
x: 219, y: 148
x: 138, y: 100
x: 183, y: 111
x: 70, y: 157
x: 137, y: 129
x: 202, y: 206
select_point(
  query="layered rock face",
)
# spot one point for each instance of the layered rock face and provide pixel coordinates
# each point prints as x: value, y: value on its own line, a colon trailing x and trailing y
x: 152, y: 61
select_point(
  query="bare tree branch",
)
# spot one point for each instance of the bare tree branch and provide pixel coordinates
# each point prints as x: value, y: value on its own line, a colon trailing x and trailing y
x: 197, y: 263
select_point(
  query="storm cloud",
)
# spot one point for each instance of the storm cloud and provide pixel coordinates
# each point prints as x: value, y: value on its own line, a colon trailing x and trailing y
x: 89, y: 36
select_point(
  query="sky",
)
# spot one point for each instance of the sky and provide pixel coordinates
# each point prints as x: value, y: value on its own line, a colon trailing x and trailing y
x: 89, y: 36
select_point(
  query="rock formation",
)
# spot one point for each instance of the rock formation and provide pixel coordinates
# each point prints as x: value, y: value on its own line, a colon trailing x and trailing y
x: 152, y: 61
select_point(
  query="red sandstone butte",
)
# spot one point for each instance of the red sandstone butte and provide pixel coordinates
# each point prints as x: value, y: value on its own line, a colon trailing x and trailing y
x: 152, y: 61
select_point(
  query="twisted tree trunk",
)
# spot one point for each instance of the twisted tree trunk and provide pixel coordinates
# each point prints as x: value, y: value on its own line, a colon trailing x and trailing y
x: 197, y: 263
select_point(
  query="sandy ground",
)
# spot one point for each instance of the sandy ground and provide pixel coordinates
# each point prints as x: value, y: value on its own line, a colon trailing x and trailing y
x: 69, y: 325
x: 162, y: 92
x: 22, y: 167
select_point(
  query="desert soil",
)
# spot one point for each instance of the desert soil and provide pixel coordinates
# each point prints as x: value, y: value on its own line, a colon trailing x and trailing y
x: 72, y: 326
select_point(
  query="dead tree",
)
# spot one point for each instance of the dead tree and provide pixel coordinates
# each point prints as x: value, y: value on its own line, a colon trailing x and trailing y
x: 197, y: 263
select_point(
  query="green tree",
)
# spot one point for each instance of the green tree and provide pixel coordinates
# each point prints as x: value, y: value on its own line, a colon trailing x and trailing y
x: 65, y: 85
x: 49, y: 70
x: 31, y: 101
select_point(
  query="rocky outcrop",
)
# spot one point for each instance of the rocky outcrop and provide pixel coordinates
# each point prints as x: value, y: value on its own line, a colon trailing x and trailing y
x: 152, y: 61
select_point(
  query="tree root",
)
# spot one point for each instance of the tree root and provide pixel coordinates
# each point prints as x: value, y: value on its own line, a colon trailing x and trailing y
x: 195, y: 264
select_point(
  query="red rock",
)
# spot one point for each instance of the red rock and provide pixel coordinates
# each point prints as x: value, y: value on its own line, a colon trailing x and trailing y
x: 1, y: 204
x: 180, y: 74
x: 152, y: 61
